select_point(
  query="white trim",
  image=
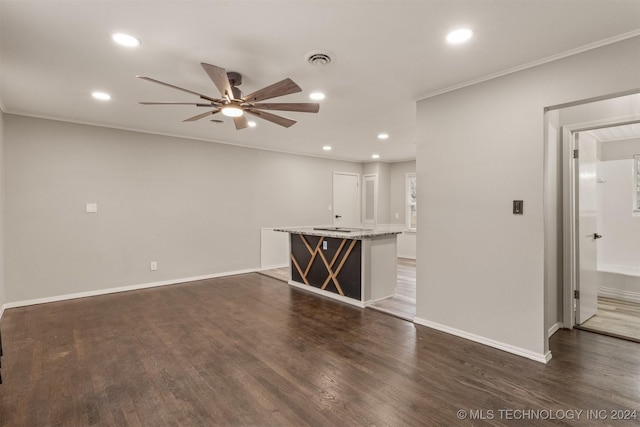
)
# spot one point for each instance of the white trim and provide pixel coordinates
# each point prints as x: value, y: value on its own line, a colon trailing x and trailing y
x: 629, y: 296
x: 532, y: 64
x: 271, y: 267
x: 373, y: 301
x: 369, y: 177
x: 181, y: 136
x: 538, y: 357
x: 569, y: 227
x: 407, y: 201
x: 327, y: 294
x: 554, y: 328
x: 122, y: 289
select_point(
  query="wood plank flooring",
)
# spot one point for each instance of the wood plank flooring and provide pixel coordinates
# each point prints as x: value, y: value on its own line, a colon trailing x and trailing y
x: 248, y: 350
x: 277, y: 273
x: 617, y: 318
x: 403, y: 303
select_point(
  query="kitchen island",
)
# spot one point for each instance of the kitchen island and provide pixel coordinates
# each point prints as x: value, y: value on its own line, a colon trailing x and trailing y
x: 353, y: 265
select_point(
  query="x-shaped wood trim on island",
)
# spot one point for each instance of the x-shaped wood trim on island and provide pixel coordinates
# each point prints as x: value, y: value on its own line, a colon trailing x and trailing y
x: 333, y: 274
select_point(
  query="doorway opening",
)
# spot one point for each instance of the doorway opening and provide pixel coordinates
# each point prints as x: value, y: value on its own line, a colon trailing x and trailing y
x: 601, y: 291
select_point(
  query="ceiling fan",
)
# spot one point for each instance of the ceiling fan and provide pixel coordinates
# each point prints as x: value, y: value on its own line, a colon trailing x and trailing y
x: 234, y: 104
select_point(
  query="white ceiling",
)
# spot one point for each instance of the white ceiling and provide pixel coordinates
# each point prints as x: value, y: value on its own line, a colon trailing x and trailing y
x: 617, y: 133
x: 387, y: 54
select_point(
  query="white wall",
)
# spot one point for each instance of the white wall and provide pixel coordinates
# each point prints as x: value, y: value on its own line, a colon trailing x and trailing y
x: 194, y: 207
x: 481, y: 269
x: 2, y: 180
x: 620, y: 228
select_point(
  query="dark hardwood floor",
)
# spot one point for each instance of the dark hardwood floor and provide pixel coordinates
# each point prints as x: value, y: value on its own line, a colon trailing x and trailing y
x: 249, y: 350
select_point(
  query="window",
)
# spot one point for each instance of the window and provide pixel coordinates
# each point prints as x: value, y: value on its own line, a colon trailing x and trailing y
x: 411, y: 201
x: 636, y: 183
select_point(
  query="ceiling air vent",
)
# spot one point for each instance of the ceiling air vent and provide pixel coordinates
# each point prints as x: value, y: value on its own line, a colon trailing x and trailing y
x: 318, y: 58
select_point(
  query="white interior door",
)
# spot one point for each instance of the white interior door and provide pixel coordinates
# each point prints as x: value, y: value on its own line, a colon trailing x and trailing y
x: 346, y: 200
x: 587, y: 232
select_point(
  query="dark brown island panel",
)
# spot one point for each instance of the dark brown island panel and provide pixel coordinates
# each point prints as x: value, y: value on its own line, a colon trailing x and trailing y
x: 354, y: 265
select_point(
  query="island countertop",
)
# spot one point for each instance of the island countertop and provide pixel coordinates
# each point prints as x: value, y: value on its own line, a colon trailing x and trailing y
x: 341, y: 232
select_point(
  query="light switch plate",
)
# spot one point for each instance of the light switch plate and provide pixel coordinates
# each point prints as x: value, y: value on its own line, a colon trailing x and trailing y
x: 518, y: 207
x: 92, y: 207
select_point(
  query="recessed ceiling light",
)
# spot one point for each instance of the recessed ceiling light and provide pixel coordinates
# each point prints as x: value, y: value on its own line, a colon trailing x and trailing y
x: 383, y: 135
x: 459, y: 36
x: 317, y: 96
x: 327, y: 148
x: 251, y: 124
x: 375, y: 156
x: 101, y: 96
x: 125, y: 40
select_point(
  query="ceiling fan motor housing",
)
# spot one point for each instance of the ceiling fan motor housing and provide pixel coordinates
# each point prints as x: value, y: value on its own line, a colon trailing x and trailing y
x: 235, y: 79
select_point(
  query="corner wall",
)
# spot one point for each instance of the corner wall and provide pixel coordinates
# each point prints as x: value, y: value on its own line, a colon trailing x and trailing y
x: 194, y: 207
x: 2, y: 180
x: 481, y: 269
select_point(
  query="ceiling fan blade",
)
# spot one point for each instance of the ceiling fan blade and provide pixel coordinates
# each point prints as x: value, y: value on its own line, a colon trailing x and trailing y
x: 279, y: 120
x: 211, y: 104
x: 303, y: 107
x: 241, y: 122
x: 201, y: 116
x: 220, y: 79
x: 149, y: 79
x: 284, y: 87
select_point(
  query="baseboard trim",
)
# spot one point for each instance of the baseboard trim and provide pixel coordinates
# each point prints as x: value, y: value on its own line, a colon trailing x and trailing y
x: 373, y: 301
x: 629, y: 296
x: 554, y: 328
x: 271, y: 267
x: 107, y: 291
x: 538, y: 357
x: 327, y: 294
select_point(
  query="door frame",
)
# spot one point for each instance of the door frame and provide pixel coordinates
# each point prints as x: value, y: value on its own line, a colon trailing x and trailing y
x: 373, y: 177
x: 571, y: 260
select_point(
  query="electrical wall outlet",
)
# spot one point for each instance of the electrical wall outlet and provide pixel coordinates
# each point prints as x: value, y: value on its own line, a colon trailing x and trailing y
x: 153, y: 266
x: 92, y: 207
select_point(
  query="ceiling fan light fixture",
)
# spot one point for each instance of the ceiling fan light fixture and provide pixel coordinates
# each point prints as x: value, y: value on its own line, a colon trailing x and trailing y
x: 125, y: 40
x: 232, y: 111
